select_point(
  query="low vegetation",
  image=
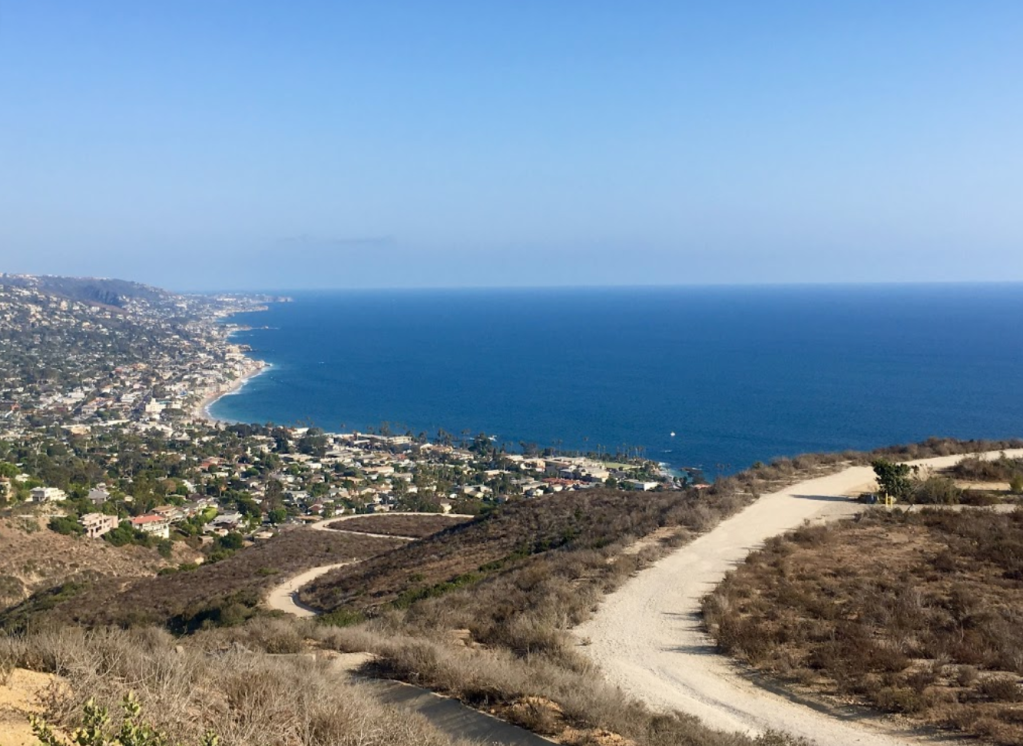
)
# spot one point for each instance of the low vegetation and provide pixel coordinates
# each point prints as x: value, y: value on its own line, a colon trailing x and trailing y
x: 35, y: 559
x: 419, y: 525
x: 534, y: 693
x: 220, y: 593
x: 482, y: 610
x: 913, y: 612
x: 1003, y: 469
x: 553, y: 534
x: 186, y: 692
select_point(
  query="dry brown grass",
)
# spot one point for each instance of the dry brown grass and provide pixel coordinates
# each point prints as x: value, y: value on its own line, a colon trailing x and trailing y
x: 248, y: 699
x: 418, y: 526
x: 33, y: 558
x: 919, y: 613
x: 483, y: 610
x: 225, y: 592
x: 1002, y: 469
x: 595, y: 523
x: 486, y: 615
x: 574, y: 706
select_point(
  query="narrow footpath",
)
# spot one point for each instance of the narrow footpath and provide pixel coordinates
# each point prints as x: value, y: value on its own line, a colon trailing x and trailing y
x: 447, y: 715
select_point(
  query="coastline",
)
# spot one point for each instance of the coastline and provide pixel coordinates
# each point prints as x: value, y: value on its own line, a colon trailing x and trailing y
x: 211, y: 396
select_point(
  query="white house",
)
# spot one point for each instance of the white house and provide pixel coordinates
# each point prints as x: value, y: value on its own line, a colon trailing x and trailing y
x: 48, y: 495
x: 152, y: 524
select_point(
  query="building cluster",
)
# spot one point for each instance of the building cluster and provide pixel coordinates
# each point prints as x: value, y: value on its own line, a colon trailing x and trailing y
x: 145, y: 365
x: 122, y: 386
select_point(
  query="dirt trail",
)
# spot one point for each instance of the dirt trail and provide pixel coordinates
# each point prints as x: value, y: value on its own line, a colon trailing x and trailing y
x: 284, y: 597
x: 448, y: 715
x: 647, y: 636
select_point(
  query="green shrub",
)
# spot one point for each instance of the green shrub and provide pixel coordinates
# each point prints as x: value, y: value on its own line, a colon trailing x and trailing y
x: 66, y: 525
x: 342, y: 617
x: 96, y: 731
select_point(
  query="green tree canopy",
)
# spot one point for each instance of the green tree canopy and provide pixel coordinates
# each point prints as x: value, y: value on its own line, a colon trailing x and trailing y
x: 893, y: 480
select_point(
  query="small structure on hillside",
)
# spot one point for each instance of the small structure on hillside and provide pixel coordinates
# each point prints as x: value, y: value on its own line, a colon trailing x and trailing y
x: 97, y: 524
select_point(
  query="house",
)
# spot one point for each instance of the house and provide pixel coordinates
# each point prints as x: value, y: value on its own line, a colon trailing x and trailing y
x: 171, y: 512
x: 635, y: 484
x: 226, y: 522
x: 97, y: 524
x: 156, y: 525
x: 98, y: 494
x: 48, y: 495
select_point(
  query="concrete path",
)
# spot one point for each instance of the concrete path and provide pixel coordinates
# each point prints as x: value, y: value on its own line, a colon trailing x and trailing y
x: 454, y: 719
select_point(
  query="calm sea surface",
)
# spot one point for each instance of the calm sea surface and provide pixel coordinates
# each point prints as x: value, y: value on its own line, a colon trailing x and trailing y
x: 738, y: 374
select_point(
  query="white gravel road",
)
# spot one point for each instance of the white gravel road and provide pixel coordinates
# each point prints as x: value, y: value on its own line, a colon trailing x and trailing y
x: 647, y: 637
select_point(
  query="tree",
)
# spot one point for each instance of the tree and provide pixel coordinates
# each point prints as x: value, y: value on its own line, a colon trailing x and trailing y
x: 893, y: 480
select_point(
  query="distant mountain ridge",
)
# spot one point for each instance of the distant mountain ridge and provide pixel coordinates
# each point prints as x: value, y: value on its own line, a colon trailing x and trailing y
x: 100, y: 290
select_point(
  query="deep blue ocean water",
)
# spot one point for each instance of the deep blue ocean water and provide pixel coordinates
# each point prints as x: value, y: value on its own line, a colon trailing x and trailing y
x: 740, y: 374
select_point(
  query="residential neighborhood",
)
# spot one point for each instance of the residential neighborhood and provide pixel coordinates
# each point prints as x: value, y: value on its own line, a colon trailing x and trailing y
x: 103, y: 424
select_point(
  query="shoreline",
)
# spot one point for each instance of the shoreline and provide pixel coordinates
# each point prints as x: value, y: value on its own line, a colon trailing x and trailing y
x: 201, y: 411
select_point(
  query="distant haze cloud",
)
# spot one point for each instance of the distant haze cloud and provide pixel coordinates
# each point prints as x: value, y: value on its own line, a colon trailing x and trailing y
x: 338, y: 242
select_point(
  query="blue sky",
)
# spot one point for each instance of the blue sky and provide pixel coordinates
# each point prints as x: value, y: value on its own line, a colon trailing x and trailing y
x: 251, y: 144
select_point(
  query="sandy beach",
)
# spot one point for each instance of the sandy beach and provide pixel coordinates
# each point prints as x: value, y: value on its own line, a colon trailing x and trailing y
x: 202, y: 409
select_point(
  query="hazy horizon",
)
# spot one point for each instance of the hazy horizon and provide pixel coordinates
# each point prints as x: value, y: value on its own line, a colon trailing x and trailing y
x: 239, y: 146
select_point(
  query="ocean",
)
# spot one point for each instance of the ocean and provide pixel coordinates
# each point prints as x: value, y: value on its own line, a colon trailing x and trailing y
x: 711, y: 377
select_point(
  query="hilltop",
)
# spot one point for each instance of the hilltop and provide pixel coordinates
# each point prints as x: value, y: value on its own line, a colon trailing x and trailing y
x: 100, y: 290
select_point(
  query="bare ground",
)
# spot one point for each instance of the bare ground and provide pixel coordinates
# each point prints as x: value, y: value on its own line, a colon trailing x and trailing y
x: 648, y: 638
x: 284, y: 597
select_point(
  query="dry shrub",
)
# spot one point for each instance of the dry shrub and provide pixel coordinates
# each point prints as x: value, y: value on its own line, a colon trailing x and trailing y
x: 979, y: 498
x: 223, y: 593
x: 935, y: 490
x: 419, y: 525
x: 1002, y: 688
x: 249, y: 700
x: 919, y: 613
x: 498, y: 680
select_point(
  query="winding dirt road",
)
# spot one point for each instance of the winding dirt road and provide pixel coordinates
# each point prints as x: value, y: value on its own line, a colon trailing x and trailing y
x: 458, y: 721
x: 284, y: 597
x: 648, y: 640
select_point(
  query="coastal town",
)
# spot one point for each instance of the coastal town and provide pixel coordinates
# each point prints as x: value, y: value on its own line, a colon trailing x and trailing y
x: 105, y: 390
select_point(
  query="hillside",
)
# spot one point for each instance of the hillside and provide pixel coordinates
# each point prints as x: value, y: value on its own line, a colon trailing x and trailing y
x: 916, y: 613
x: 224, y: 592
x: 469, y: 553
x: 35, y: 558
x: 103, y: 291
